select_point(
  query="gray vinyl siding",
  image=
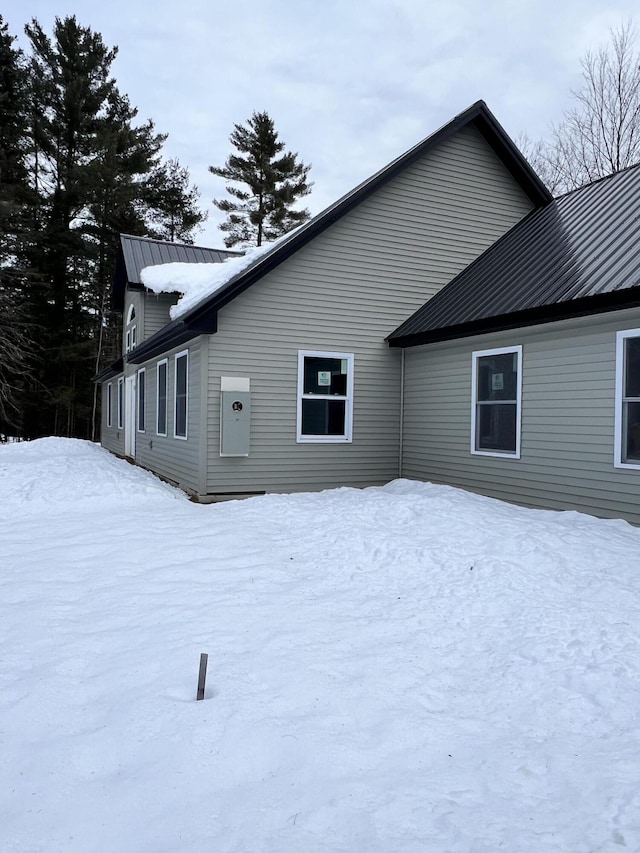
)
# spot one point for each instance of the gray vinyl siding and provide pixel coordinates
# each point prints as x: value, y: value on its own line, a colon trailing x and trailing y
x: 156, y: 311
x: 568, y: 411
x: 175, y: 459
x: 345, y: 292
x: 111, y: 438
x: 152, y: 313
x: 135, y: 298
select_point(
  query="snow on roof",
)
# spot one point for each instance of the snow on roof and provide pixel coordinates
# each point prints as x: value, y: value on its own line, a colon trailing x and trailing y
x: 197, y: 281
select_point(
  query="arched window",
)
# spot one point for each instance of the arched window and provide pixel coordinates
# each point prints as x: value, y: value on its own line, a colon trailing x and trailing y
x: 131, y: 336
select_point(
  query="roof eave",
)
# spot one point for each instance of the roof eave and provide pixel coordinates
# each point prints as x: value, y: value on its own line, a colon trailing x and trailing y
x: 173, y: 335
x: 116, y: 367
x: 584, y: 307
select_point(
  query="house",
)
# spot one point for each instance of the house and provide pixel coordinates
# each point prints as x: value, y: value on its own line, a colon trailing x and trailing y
x: 301, y: 331
x: 522, y: 376
x: 299, y: 369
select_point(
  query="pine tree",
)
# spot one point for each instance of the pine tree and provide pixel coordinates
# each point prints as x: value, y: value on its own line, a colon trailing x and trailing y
x: 76, y: 170
x: 70, y: 77
x: 270, y: 183
x: 173, y: 204
x: 126, y: 156
x: 16, y: 346
x: 13, y: 168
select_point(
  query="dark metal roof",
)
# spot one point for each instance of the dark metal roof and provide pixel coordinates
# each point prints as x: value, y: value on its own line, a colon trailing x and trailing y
x: 202, y: 318
x: 580, y: 254
x: 136, y: 253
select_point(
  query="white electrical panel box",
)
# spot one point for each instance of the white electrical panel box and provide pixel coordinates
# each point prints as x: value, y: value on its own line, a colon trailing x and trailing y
x: 235, y: 415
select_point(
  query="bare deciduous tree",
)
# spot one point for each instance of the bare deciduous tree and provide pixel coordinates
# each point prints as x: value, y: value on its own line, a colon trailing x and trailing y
x: 600, y: 133
x: 16, y: 349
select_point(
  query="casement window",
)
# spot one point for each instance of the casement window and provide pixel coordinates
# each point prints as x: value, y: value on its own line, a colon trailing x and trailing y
x: 496, y: 401
x: 325, y: 397
x: 141, y: 397
x: 181, y: 392
x: 627, y: 417
x: 161, y: 397
x: 109, y: 403
x: 121, y: 403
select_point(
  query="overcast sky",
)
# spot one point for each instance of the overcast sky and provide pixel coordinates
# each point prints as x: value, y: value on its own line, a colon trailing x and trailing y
x: 350, y: 85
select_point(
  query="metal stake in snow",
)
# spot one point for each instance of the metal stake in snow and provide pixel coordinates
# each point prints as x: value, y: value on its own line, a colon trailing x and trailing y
x: 202, y: 675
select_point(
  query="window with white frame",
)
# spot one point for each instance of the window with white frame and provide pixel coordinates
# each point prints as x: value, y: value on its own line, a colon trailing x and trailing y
x: 131, y: 337
x: 141, y: 398
x: 181, y: 392
x: 627, y: 417
x: 109, y: 403
x: 121, y: 403
x: 496, y: 400
x: 161, y: 397
x: 325, y: 396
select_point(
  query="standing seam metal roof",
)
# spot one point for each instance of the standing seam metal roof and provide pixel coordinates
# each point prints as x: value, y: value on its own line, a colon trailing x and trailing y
x: 582, y: 245
x: 141, y: 252
x: 136, y: 253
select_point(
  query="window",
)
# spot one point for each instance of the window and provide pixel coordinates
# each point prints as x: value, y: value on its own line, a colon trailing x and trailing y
x: 121, y: 403
x: 325, y: 396
x: 141, y: 398
x: 131, y: 335
x: 627, y: 419
x: 161, y: 397
x: 496, y: 396
x: 181, y: 393
x: 109, y: 403
x: 131, y: 339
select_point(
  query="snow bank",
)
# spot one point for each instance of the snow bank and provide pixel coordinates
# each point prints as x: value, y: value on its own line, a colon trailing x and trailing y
x: 405, y: 668
x: 197, y: 282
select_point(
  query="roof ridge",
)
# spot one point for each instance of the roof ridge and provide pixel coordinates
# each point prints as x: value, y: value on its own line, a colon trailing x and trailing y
x: 181, y: 244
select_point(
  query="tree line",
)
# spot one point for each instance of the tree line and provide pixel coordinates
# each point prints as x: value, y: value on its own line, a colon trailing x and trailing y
x: 77, y: 168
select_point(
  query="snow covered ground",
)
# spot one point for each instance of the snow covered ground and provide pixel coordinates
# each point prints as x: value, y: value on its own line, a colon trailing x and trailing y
x: 408, y: 668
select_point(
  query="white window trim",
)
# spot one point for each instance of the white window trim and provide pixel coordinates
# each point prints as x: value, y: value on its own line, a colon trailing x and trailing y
x: 175, y: 396
x: 475, y: 356
x: 110, y: 404
x: 166, y: 397
x: 348, y: 409
x: 619, y: 397
x: 121, y: 402
x: 139, y: 384
x: 131, y: 336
